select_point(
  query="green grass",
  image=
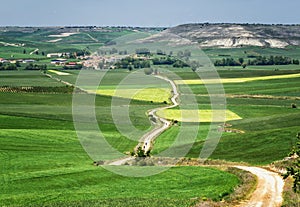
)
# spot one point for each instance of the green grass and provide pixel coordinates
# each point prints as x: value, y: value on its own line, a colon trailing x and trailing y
x: 49, y: 167
x: 26, y: 78
x: 269, y: 122
x: 216, y: 53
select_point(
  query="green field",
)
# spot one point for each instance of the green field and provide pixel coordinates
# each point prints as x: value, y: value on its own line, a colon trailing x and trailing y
x: 43, y: 163
x: 269, y: 122
x: 48, y: 167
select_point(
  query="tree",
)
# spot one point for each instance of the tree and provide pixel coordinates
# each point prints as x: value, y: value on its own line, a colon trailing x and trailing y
x: 296, y: 62
x: 11, y: 67
x: 101, y: 65
x: 130, y: 67
x: 187, y: 53
x: 294, y: 170
x: 148, y: 71
x: 180, y: 54
x: 142, y: 51
x: 140, y: 152
x: 18, y: 64
x: 241, y: 60
x: 24, y: 51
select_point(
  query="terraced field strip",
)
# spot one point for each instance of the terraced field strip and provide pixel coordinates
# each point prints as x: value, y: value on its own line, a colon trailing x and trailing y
x: 203, y: 115
x: 58, y: 72
x: 157, y: 95
x: 235, y: 80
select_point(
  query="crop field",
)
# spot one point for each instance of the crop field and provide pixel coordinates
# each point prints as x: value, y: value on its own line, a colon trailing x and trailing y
x: 157, y: 95
x: 43, y: 163
x: 204, y: 116
x: 268, y: 121
x: 236, y: 80
x: 26, y: 78
x: 217, y: 53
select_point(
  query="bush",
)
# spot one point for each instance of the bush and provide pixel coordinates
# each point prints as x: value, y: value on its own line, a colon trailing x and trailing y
x: 148, y: 71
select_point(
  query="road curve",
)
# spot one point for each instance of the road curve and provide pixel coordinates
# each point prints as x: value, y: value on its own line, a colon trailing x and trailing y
x: 269, y: 188
x: 162, y: 124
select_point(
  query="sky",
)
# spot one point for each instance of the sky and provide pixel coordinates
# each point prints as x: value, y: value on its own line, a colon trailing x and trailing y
x: 146, y: 13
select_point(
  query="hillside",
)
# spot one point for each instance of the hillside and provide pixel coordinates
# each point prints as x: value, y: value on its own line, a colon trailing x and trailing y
x: 239, y: 35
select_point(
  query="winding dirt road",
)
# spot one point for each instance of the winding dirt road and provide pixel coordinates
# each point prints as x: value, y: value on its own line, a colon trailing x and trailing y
x: 162, y: 124
x: 269, y: 188
x: 270, y: 185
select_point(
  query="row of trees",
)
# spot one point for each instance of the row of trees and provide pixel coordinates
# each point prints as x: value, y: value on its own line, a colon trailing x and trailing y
x: 169, y: 61
x: 130, y: 63
x: 145, y: 51
x: 36, y: 67
x: 259, y: 60
x: 15, y: 66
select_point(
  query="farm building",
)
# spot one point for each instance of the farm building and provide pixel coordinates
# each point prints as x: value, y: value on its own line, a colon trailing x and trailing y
x: 59, y: 61
x: 28, y: 61
x: 54, y: 55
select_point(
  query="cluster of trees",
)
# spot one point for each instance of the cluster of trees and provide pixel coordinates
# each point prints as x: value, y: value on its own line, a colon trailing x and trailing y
x: 229, y: 62
x: 145, y: 62
x: 258, y: 60
x: 142, y: 51
x: 8, y: 66
x: 184, y: 54
x: 15, y: 66
x: 36, y: 67
x: 131, y: 63
x: 73, y: 67
x: 273, y: 60
x: 78, y: 53
x: 169, y: 61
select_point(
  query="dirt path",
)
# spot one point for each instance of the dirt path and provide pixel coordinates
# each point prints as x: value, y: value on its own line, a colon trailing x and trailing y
x: 270, y: 185
x: 269, y: 188
x: 146, y: 141
x: 122, y: 161
x: 34, y: 51
x: 93, y: 38
x: 162, y: 124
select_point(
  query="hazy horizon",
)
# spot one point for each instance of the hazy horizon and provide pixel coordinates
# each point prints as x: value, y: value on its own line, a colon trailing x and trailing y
x: 139, y: 13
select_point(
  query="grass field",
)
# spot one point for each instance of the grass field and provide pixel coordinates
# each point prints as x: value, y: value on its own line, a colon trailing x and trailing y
x: 43, y: 163
x: 48, y: 167
x: 269, y: 122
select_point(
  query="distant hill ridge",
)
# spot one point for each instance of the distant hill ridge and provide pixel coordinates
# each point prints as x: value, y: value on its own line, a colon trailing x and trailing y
x: 239, y: 35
